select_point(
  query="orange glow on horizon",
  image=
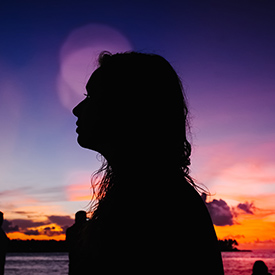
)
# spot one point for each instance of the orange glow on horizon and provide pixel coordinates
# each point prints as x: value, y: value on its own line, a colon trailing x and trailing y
x: 251, y: 232
x: 23, y: 237
x: 55, y: 233
x: 247, y: 181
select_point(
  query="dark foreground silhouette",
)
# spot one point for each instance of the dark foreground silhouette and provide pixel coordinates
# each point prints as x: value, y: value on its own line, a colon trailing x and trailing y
x: 135, y: 115
x: 260, y: 268
x: 4, y: 241
x: 74, y: 237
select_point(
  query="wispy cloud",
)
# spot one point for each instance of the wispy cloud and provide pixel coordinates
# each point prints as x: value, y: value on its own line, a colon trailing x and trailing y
x: 79, y: 192
x: 19, y: 199
x: 247, y: 207
x: 31, y: 232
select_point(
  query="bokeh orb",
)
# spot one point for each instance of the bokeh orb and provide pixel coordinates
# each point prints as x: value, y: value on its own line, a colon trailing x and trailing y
x: 78, y: 58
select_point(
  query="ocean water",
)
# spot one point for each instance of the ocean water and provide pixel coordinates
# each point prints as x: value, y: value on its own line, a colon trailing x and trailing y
x: 241, y: 263
x: 36, y: 263
x: 235, y: 263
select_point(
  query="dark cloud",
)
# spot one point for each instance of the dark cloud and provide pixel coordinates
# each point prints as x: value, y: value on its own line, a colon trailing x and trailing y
x: 61, y: 220
x: 29, y: 227
x: 247, y: 207
x: 50, y: 231
x: 220, y: 212
x: 31, y: 232
x: 8, y: 227
x: 25, y: 224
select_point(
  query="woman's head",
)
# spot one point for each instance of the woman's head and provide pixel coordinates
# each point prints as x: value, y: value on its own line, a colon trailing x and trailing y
x: 260, y: 268
x: 134, y: 114
x: 134, y: 104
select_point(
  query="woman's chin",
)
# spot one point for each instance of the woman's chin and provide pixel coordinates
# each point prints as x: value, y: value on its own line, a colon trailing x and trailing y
x: 87, y: 143
x: 83, y: 142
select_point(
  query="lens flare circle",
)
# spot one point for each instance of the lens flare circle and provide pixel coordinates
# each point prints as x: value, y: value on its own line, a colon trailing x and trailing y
x: 78, y: 58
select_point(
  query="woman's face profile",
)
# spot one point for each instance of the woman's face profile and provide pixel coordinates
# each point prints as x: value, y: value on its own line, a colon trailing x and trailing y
x: 90, y: 114
x: 129, y: 108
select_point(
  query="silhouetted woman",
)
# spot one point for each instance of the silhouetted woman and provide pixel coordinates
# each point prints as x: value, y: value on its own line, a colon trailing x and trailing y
x: 149, y: 217
x: 260, y: 268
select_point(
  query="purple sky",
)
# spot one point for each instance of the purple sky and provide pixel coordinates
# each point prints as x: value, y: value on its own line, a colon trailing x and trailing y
x: 222, y: 50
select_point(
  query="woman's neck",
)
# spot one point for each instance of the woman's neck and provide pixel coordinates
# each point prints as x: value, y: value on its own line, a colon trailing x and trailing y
x: 140, y: 166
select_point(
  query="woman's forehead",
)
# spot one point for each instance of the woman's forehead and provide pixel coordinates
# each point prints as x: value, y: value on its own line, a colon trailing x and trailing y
x: 95, y: 80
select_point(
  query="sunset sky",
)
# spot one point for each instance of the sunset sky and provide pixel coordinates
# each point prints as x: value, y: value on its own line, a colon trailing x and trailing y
x: 224, y: 52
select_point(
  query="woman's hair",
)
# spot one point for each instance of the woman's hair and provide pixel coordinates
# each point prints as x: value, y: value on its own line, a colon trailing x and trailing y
x: 157, y: 104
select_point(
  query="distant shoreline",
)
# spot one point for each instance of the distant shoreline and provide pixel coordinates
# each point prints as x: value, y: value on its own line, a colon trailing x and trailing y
x: 237, y: 250
x: 30, y: 246
x: 26, y: 246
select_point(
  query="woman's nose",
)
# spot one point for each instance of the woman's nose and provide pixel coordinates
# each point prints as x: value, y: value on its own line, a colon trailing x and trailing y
x: 77, y: 109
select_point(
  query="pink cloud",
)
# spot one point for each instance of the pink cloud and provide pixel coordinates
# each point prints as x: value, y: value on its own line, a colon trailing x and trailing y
x: 78, y: 192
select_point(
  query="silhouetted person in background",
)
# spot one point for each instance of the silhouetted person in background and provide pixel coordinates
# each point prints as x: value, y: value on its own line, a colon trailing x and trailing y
x: 149, y: 218
x: 4, y: 241
x: 74, y: 237
x: 260, y: 268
